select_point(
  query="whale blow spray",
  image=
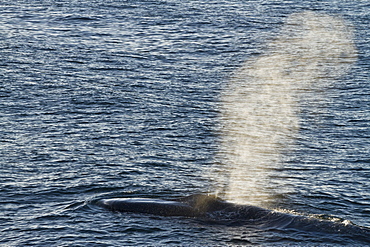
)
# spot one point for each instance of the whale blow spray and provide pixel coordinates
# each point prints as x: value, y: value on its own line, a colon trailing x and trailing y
x: 260, y: 104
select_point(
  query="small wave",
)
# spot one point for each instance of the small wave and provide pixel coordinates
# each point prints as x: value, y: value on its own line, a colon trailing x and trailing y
x: 76, y: 18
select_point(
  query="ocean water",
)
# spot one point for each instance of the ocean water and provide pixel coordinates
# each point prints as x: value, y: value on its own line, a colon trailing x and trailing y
x: 258, y: 102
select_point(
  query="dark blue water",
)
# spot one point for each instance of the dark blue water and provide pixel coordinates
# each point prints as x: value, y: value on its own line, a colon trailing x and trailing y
x: 103, y: 99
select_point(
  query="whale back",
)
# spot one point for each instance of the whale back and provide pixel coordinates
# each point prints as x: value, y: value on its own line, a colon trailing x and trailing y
x: 149, y: 206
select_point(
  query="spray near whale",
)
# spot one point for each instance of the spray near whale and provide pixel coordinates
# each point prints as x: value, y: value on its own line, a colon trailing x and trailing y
x: 262, y: 102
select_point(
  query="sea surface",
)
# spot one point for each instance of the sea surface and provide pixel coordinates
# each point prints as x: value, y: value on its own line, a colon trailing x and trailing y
x: 165, y: 99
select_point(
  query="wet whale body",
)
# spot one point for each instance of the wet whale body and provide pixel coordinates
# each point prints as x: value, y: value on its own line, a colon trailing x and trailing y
x: 198, y: 205
x: 213, y: 210
x: 149, y: 206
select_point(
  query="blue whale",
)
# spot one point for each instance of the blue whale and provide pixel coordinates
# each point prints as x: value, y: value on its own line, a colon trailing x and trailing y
x: 211, y: 209
x: 198, y: 205
x: 149, y: 206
